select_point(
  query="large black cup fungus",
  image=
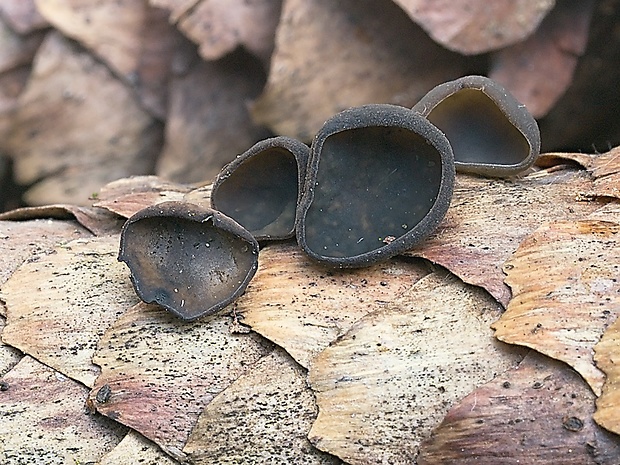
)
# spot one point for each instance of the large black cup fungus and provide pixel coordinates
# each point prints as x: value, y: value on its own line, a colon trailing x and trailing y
x: 491, y: 133
x: 260, y: 188
x: 191, y: 260
x: 380, y: 179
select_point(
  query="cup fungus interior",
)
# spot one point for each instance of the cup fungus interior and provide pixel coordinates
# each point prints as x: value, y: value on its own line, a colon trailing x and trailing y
x: 478, y: 130
x: 373, y: 185
x: 191, y: 268
x: 261, y: 193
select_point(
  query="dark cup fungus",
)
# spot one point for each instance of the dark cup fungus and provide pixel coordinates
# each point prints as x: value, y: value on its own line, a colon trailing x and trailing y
x: 379, y: 180
x: 491, y: 133
x: 260, y: 189
x: 189, y: 259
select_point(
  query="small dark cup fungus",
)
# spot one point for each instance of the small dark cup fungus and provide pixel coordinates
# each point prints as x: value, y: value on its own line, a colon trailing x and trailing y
x: 379, y: 180
x: 491, y: 133
x: 260, y: 189
x: 189, y: 259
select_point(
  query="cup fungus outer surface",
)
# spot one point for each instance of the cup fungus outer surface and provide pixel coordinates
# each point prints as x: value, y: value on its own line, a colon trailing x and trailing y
x: 189, y: 259
x: 490, y: 131
x: 260, y: 189
x: 379, y: 180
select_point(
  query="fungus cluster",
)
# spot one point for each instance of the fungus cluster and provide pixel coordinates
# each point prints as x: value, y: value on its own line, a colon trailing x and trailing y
x: 376, y: 180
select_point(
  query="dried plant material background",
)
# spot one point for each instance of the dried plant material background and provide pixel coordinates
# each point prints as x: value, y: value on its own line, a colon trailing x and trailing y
x: 138, y: 360
x: 312, y: 76
x: 220, y: 26
x: 208, y: 120
x: 263, y: 417
x: 161, y: 372
x: 22, y: 15
x: 540, y: 69
x: 16, y: 54
x: 28, y: 241
x: 95, y: 114
x: 59, y: 305
x: 595, y: 104
x: 22, y: 241
x: 607, y: 354
x: 12, y: 82
x: 608, y: 212
x: 391, y: 378
x: 326, y: 57
x: 488, y: 218
x: 304, y: 308
x: 97, y: 221
x: 540, y: 412
x: 16, y: 50
x: 135, y: 41
x: 43, y: 419
x: 605, y: 169
x: 477, y: 26
x: 129, y: 195
x: 96, y: 90
x: 566, y: 292
x: 136, y: 449
x: 606, y: 164
x: 9, y: 356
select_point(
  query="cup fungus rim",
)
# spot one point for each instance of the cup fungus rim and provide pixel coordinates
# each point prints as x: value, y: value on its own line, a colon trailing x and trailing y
x: 300, y: 152
x: 199, y: 214
x: 514, y: 111
x: 380, y: 115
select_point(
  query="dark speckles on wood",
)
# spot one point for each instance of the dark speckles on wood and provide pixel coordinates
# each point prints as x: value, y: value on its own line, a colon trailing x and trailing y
x: 171, y: 372
x: 573, y: 424
x: 542, y: 411
x: 104, y: 393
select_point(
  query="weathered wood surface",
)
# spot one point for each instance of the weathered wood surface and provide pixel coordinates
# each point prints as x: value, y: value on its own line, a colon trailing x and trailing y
x: 401, y: 362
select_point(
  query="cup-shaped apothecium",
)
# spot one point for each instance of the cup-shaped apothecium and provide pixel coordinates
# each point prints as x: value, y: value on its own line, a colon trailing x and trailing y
x: 260, y: 188
x: 380, y: 179
x: 491, y: 133
x: 191, y: 260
